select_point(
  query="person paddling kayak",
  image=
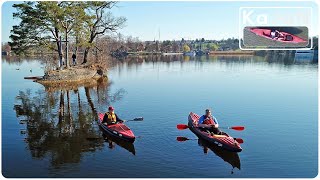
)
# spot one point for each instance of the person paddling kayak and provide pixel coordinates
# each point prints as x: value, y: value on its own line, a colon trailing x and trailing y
x: 208, y: 122
x: 110, y: 117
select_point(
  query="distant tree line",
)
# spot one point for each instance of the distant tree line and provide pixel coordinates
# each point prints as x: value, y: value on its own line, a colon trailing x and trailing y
x: 210, y: 45
x: 131, y: 44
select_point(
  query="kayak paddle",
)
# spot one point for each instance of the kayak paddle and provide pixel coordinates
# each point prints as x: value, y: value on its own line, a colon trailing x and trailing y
x: 135, y: 119
x: 239, y: 140
x: 182, y: 126
x: 181, y: 139
x: 237, y: 128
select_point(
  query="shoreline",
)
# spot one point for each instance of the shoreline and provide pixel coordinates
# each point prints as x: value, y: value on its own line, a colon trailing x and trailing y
x: 232, y: 53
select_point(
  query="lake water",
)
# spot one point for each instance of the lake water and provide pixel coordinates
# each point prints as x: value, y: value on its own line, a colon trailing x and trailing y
x: 58, y: 136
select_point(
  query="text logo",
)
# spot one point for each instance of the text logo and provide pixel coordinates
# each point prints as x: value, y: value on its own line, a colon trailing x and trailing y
x: 249, y: 17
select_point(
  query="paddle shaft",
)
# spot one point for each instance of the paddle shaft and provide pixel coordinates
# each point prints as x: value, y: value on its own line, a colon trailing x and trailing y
x: 238, y: 128
x: 135, y: 119
x: 129, y: 120
x: 239, y: 140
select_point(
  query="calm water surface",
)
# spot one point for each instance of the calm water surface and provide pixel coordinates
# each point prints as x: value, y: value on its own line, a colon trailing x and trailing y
x: 58, y: 135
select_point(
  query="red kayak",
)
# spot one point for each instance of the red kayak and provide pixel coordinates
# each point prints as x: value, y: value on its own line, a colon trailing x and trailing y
x: 225, y: 141
x: 287, y: 37
x: 118, y: 130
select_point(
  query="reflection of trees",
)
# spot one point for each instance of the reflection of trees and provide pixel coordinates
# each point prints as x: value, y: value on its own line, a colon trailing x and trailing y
x: 278, y: 57
x: 285, y: 57
x: 60, y: 122
x: 47, y: 61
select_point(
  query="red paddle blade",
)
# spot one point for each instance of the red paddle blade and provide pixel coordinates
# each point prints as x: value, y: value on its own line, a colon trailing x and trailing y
x: 179, y: 138
x: 182, y: 126
x: 238, y: 128
x: 239, y: 140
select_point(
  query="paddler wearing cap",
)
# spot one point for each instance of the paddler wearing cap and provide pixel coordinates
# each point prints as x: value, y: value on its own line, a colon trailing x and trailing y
x: 110, y: 117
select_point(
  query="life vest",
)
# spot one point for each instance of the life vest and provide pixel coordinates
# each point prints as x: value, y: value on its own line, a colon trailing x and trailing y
x: 209, y: 121
x: 111, y: 117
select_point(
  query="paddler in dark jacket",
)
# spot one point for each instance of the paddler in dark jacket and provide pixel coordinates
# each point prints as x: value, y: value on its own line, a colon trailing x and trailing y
x: 208, y: 122
x: 110, y: 117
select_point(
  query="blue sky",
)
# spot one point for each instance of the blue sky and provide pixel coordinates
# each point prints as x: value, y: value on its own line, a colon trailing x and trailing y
x: 175, y: 20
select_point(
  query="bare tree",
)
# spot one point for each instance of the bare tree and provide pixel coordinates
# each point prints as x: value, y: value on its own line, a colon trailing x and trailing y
x: 100, y: 22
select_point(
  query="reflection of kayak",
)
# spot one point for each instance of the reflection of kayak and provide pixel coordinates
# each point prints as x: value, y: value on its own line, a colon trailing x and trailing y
x: 225, y: 141
x: 124, y: 144
x: 230, y: 157
x: 119, y: 130
x: 189, y: 53
x: 288, y: 38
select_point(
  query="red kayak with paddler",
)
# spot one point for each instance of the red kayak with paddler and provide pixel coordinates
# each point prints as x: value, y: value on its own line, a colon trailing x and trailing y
x: 112, y: 125
x: 276, y: 35
x: 222, y: 140
x: 207, y: 128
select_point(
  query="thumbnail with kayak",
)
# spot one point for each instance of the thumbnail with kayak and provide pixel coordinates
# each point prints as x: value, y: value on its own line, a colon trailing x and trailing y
x: 273, y: 37
x: 274, y: 34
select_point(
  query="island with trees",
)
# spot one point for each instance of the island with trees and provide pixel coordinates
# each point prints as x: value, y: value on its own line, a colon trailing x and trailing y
x: 61, y: 30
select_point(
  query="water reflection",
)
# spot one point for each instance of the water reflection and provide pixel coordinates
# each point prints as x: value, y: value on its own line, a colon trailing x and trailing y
x: 59, y: 121
x: 112, y: 142
x: 233, y: 81
x: 161, y: 64
x: 278, y: 57
x: 306, y: 56
x: 47, y: 62
x: 230, y: 157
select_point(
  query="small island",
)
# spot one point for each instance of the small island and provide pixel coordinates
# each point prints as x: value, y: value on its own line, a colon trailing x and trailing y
x: 67, y: 33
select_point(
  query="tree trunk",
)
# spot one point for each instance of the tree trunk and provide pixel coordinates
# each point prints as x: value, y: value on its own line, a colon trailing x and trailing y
x: 76, y: 48
x: 86, y: 51
x: 60, y: 52
x: 85, y: 55
x: 59, y: 45
x: 96, y: 54
x: 67, y: 50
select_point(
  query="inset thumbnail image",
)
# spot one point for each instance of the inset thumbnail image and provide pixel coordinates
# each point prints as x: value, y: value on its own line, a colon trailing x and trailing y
x: 275, y: 37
